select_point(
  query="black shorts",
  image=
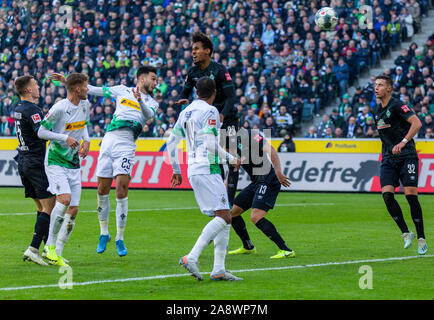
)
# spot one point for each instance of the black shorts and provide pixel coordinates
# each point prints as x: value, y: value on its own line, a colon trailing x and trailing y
x: 406, y: 170
x: 258, y: 196
x: 34, y: 180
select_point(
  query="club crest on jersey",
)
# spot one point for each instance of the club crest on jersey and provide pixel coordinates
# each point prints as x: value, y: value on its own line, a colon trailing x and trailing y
x: 388, y: 113
x: 405, y: 108
x: 130, y: 103
x: 75, y: 125
x: 36, y: 118
x: 382, y: 125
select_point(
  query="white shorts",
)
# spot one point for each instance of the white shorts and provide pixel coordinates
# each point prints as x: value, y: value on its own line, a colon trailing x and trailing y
x: 210, y: 193
x: 116, y: 155
x: 64, y: 181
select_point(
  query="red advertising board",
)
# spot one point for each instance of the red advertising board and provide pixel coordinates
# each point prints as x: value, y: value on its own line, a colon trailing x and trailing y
x: 426, y: 175
x: 150, y: 170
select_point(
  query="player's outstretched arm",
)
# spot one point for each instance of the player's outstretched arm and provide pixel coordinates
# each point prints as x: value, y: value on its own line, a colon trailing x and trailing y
x: 108, y: 92
x: 275, y: 160
x: 213, y: 146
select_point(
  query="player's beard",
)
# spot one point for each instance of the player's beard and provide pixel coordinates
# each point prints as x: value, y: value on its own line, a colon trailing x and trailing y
x: 147, y: 89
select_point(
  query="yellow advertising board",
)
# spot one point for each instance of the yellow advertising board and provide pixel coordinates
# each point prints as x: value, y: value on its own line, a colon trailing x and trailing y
x: 301, y: 145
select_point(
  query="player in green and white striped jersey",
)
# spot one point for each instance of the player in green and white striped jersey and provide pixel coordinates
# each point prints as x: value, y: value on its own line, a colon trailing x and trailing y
x: 65, y: 127
x: 134, y: 106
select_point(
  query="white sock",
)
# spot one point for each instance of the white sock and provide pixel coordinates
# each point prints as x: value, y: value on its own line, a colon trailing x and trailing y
x: 56, y: 220
x: 221, y: 242
x: 103, y: 213
x: 64, y: 233
x: 209, y: 232
x: 121, y: 217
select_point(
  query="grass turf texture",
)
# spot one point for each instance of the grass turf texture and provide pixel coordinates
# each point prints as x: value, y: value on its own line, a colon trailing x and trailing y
x: 344, y: 227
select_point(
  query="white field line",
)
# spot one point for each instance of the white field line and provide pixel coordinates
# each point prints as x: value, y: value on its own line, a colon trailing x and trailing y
x: 169, y: 209
x: 234, y: 271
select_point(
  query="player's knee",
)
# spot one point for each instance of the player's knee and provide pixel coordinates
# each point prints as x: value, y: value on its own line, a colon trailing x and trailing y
x: 225, y: 215
x: 257, y: 215
x: 64, y: 199
x: 388, y: 197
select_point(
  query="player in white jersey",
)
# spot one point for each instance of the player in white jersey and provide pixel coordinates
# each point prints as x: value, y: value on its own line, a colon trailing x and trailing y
x: 65, y: 126
x: 134, y: 106
x: 198, y: 124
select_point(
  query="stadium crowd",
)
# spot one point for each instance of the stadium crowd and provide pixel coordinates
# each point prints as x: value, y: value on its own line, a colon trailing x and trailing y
x: 413, y: 83
x: 280, y: 62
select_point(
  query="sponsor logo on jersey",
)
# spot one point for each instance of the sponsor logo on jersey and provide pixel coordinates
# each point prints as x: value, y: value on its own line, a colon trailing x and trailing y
x: 36, y: 118
x: 75, y: 125
x: 405, y: 108
x: 130, y: 103
x: 258, y: 138
x: 382, y: 125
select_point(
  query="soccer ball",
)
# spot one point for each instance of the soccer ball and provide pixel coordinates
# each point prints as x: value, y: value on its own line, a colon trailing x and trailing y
x: 326, y: 18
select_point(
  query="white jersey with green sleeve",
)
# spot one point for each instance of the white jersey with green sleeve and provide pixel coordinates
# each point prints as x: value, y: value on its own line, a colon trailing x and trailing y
x: 66, y: 118
x: 129, y: 113
x: 196, y: 122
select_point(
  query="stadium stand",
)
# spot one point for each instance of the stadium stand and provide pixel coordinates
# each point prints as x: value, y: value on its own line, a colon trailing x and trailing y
x: 285, y: 70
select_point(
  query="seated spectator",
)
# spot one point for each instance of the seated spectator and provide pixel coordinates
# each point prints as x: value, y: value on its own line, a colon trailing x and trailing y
x: 270, y: 125
x: 427, y: 123
x: 253, y: 96
x: 295, y: 108
x: 394, y: 29
x: 429, y: 133
x: 359, y: 132
x: 363, y: 56
x: 312, y: 133
x: 284, y: 120
x: 5, y: 127
x: 97, y: 132
x: 350, y: 130
x: 342, y: 73
x: 375, y: 49
x: 328, y: 133
x: 370, y: 129
x: 398, y: 78
x: 325, y: 123
x: 146, y: 132
x: 98, y: 116
x: 252, y: 118
x: 337, y: 119
x: 403, y: 61
x: 316, y: 94
x: 246, y: 125
x: 363, y: 116
x: 287, y: 144
x: 347, y: 115
x: 384, y: 40
x: 344, y: 104
x: 339, y: 133
x: 371, y: 133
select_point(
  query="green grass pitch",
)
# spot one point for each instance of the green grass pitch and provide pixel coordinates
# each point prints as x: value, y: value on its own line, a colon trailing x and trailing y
x: 333, y: 235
